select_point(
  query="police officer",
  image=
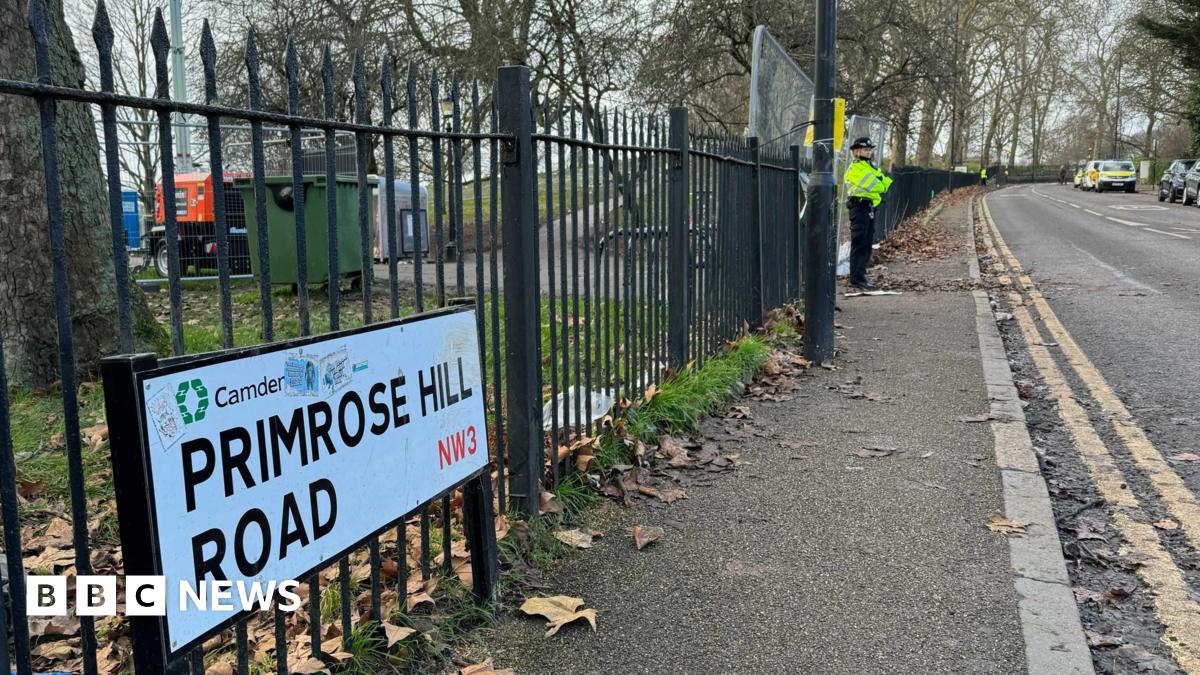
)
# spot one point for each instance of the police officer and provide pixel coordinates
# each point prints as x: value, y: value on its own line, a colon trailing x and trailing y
x: 864, y: 188
x: 983, y: 176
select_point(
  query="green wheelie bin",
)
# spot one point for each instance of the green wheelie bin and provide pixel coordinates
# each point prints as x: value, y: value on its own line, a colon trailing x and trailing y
x: 281, y: 228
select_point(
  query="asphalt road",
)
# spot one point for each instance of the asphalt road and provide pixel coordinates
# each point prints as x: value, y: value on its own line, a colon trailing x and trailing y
x: 1122, y: 272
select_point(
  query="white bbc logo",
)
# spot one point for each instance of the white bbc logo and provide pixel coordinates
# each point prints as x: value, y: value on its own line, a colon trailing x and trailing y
x: 96, y: 595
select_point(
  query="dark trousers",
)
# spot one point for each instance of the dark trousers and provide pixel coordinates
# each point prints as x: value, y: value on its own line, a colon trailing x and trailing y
x: 862, y: 236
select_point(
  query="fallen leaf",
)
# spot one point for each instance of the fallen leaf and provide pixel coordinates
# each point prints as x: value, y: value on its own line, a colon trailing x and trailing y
x: 396, y: 633
x: 739, y: 412
x: 219, y: 668
x: 501, y: 526
x: 1185, y: 457
x: 1005, y: 526
x: 549, y: 504
x: 579, y: 538
x: 975, y: 418
x: 420, y: 598
x: 668, y: 495
x: 485, y: 668
x: 643, y: 536
x: 559, y: 611
x: 1166, y: 524
x: 651, y: 392
x: 671, y: 449
x: 30, y: 488
x: 311, y: 666
x: 1097, y: 640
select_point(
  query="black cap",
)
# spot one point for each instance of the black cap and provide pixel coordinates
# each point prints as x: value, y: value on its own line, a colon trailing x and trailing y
x: 864, y: 142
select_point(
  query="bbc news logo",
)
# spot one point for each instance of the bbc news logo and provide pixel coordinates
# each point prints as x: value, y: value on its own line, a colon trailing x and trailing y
x: 96, y: 595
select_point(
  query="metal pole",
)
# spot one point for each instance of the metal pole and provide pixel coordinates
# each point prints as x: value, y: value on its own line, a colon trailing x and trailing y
x: 522, y: 320
x: 183, y: 134
x: 756, y: 236
x: 678, y: 256
x: 819, y: 255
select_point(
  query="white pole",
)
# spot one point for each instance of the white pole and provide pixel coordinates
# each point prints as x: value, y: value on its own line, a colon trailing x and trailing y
x: 183, y: 135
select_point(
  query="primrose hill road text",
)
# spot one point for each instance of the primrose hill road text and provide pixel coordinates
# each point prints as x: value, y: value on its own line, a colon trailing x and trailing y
x: 244, y: 456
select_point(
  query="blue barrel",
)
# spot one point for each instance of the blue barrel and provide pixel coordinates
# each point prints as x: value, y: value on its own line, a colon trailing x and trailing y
x: 129, y: 210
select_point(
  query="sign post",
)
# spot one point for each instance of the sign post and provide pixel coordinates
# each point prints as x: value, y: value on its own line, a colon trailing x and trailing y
x: 239, y: 472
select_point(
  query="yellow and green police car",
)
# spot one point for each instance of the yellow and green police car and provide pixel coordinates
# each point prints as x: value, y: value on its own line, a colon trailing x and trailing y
x: 1115, y: 175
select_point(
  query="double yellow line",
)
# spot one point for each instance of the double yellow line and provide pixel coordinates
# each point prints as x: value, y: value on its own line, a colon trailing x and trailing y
x: 1173, y: 606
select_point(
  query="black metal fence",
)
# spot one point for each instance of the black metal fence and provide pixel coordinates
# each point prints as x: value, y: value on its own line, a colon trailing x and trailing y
x: 602, y: 249
x: 913, y: 188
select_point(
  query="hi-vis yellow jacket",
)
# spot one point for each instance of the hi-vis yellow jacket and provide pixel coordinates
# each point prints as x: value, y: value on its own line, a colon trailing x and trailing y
x: 862, y: 179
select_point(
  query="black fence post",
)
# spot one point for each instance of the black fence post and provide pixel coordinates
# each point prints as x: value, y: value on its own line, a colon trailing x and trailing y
x: 522, y: 320
x: 480, y: 531
x: 756, y: 227
x: 795, y: 284
x: 678, y: 255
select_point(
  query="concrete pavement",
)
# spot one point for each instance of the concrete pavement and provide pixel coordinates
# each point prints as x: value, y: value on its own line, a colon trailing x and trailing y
x: 814, y: 560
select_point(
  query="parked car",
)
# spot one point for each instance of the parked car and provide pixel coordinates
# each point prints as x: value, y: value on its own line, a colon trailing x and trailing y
x: 1191, y: 185
x: 1115, y: 175
x: 1091, y: 172
x: 1171, y: 185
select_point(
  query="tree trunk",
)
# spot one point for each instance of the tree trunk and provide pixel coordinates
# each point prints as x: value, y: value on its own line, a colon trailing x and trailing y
x: 900, y: 130
x: 26, y: 291
x: 927, y: 134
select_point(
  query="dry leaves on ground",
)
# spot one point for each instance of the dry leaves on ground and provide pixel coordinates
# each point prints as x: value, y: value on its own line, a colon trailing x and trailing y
x: 1185, y: 457
x: 485, y: 668
x: 1005, y: 526
x: 1166, y: 524
x: 559, y: 610
x: 578, y: 538
x: 644, y: 535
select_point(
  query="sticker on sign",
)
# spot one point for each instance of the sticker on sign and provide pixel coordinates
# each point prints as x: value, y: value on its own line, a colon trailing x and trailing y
x: 265, y: 466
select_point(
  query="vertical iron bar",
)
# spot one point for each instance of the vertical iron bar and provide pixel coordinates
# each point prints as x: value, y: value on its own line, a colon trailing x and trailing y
x: 493, y: 263
x: 243, y: 647
x: 755, y: 257
x: 344, y: 583
x: 260, y: 191
x: 420, y: 216
x: 820, y: 243
x: 364, y: 191
x: 12, y: 537
x: 627, y: 202
x: 480, y: 305
x: 159, y: 45
x: 521, y: 316
x: 102, y: 35
x: 677, y: 245
x: 395, y: 244
x: 438, y: 186
x: 208, y: 58
x: 555, y: 390
x: 456, y: 195
x: 447, y: 559
x: 575, y: 271
x: 589, y: 197
x: 281, y: 667
x: 298, y: 187
x: 564, y: 332
x: 331, y: 214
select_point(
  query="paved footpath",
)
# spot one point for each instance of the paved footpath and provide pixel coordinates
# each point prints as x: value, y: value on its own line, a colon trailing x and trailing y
x: 813, y: 560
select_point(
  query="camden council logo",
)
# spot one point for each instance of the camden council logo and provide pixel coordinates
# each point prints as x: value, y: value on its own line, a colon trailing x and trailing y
x: 192, y: 399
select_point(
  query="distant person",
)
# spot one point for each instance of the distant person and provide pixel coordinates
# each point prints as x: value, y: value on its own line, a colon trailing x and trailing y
x: 983, y: 176
x: 864, y: 187
x: 1062, y: 175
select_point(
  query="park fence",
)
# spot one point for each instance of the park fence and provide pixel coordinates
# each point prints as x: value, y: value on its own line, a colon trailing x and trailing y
x: 601, y: 251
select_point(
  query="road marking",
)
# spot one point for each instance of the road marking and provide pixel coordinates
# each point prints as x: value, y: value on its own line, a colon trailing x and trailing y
x: 1121, y: 276
x: 1176, y: 496
x: 1169, y: 234
x: 1137, y: 207
x: 1173, y: 604
x: 1125, y: 222
x: 1074, y: 206
x: 1185, y: 229
x: 1094, y: 213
